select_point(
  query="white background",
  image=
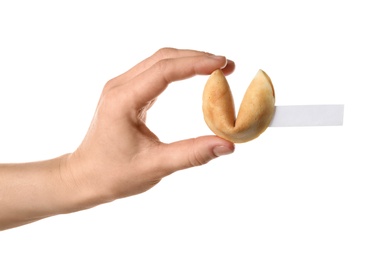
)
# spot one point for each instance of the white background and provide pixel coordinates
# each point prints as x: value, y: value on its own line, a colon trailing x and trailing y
x: 293, y: 193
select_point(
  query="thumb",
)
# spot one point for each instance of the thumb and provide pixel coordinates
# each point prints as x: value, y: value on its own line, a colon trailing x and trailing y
x: 194, y: 152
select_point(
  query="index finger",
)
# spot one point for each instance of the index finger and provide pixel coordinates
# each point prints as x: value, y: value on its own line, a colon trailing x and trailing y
x: 149, y: 84
x: 161, y: 54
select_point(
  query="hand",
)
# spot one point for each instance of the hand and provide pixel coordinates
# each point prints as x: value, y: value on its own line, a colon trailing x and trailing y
x: 120, y: 156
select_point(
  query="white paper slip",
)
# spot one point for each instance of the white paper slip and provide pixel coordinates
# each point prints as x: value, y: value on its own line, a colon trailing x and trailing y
x: 308, y: 115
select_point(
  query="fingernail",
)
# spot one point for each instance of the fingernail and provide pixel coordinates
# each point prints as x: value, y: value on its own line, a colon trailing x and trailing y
x: 222, y: 150
x: 220, y: 58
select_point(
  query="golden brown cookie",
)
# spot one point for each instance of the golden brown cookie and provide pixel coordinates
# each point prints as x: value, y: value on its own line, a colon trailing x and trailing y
x: 255, y: 112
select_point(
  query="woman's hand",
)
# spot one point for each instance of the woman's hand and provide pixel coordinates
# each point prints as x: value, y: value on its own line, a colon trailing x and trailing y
x: 119, y: 156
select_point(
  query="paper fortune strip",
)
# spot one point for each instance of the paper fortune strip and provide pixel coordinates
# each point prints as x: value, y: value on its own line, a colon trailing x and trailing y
x: 307, y: 115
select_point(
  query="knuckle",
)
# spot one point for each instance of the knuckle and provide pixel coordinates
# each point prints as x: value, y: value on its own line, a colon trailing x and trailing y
x: 162, y: 69
x: 107, y: 97
x: 109, y: 84
x: 161, y: 65
x: 164, y: 53
x: 196, y: 158
x: 111, y: 101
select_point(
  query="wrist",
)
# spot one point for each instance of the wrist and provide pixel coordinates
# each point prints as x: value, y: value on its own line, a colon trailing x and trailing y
x: 36, y: 190
x: 79, y: 189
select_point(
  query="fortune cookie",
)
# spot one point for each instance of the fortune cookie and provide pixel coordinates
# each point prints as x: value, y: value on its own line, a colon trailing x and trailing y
x: 255, y: 113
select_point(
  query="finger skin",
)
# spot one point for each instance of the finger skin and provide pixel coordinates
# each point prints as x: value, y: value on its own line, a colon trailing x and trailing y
x: 192, y: 152
x: 162, y: 54
x: 151, y: 83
